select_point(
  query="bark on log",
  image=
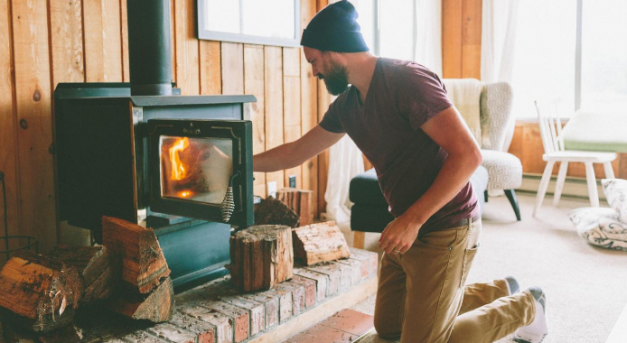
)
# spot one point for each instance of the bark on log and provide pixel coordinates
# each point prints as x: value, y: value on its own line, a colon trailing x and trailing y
x: 261, y: 257
x: 96, y: 267
x: 157, y: 307
x: 273, y: 212
x: 300, y: 201
x: 38, y: 292
x: 319, y: 243
x: 143, y: 263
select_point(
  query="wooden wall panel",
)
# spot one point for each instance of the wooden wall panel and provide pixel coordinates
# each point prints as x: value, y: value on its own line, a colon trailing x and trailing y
x: 8, y: 127
x: 471, y: 39
x: 254, y: 84
x: 34, y: 138
x: 126, y: 77
x: 210, y: 74
x: 273, y: 84
x: 291, y: 106
x: 66, y: 35
x: 232, y: 68
x: 186, y: 47
x: 461, y: 38
x: 452, y: 20
x: 309, y: 104
x: 103, y: 40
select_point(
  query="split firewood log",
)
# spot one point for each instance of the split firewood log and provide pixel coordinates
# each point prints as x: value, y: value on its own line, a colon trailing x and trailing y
x: 273, y: 212
x: 96, y: 267
x: 157, y: 307
x: 38, y: 293
x: 300, y: 201
x: 319, y: 242
x: 143, y: 263
x: 261, y: 257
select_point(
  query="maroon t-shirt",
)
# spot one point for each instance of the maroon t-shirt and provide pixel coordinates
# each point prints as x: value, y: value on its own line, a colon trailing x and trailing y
x: 402, y: 96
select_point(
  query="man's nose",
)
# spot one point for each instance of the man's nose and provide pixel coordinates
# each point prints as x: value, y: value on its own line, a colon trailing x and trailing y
x: 314, y: 71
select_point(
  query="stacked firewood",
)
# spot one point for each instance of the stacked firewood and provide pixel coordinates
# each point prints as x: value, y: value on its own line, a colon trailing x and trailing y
x: 263, y: 255
x: 39, y: 295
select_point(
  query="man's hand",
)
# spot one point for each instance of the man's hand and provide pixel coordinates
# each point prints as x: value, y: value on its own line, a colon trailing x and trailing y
x: 399, y: 235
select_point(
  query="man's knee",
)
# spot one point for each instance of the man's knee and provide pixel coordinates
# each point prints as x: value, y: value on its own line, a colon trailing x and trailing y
x: 386, y: 328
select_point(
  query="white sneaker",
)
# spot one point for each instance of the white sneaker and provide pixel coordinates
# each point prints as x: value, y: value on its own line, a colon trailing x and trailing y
x: 537, y: 330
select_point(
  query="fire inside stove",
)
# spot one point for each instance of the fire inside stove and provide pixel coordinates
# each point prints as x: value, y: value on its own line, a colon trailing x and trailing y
x: 196, y: 169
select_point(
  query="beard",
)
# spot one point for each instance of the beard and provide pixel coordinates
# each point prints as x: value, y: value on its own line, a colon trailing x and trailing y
x: 336, y: 79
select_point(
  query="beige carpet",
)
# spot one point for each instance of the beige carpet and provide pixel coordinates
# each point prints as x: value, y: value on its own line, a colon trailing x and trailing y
x: 586, y: 287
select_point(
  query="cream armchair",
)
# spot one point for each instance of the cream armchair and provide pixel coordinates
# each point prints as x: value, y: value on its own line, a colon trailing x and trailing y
x: 496, y: 130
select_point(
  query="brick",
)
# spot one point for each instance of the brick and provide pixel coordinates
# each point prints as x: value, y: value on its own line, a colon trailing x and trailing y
x: 256, y: 312
x: 369, y: 260
x: 310, y: 289
x: 350, y: 321
x: 321, y: 280
x: 172, y: 333
x: 241, y: 321
x: 208, y: 292
x: 354, y: 270
x: 298, y: 295
x: 205, y: 332
x: 333, y: 273
x: 223, y: 324
x: 321, y: 333
x: 285, y: 302
x: 142, y: 337
x: 270, y: 304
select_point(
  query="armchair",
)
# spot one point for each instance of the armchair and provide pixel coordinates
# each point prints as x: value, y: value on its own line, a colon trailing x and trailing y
x: 504, y: 169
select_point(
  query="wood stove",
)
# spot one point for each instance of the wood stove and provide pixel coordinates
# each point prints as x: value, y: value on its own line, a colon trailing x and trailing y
x: 142, y: 152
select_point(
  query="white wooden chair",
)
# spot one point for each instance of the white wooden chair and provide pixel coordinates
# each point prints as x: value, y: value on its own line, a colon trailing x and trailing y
x: 553, y: 142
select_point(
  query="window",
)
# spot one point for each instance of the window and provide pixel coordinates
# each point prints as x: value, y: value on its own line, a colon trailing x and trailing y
x: 272, y: 22
x: 604, y: 55
x: 551, y: 60
x: 403, y: 29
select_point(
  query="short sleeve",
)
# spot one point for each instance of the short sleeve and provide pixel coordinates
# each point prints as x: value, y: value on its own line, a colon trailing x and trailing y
x: 331, y: 121
x: 420, y: 94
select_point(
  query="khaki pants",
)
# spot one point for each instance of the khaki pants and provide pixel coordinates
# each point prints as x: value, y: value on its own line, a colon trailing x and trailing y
x: 422, y: 294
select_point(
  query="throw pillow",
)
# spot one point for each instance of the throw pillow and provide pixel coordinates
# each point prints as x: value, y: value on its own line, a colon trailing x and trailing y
x: 600, y: 227
x: 616, y: 194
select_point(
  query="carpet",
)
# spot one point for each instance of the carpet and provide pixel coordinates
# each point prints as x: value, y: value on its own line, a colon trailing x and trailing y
x: 586, y: 286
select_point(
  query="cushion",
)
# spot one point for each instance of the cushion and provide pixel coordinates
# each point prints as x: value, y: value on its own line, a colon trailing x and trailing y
x: 592, y: 130
x: 616, y: 194
x: 465, y: 94
x: 600, y: 227
x: 504, y: 169
x: 364, y: 189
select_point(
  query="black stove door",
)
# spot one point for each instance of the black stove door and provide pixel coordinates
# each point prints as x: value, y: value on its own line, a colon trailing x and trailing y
x: 202, y: 169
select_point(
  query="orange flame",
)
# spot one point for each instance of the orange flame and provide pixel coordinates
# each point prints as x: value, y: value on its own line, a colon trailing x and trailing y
x: 179, y: 172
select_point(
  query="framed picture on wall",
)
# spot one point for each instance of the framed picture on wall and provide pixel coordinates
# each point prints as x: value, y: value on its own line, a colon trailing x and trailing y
x: 267, y: 22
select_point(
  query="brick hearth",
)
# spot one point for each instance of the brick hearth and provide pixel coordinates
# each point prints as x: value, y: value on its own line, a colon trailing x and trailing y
x: 216, y: 313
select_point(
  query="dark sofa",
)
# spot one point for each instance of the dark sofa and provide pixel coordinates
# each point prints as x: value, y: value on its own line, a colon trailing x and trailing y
x: 370, y: 210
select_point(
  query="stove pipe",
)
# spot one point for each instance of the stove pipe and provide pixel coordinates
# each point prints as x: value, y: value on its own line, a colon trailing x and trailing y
x: 149, y: 47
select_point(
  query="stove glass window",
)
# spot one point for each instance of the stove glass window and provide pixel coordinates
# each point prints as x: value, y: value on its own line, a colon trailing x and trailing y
x: 196, y: 169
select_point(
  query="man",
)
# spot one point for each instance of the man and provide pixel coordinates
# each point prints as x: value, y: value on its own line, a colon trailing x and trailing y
x: 398, y: 114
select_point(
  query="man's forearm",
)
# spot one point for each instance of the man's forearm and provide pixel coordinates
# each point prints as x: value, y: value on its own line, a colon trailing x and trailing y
x: 279, y: 158
x: 454, y: 174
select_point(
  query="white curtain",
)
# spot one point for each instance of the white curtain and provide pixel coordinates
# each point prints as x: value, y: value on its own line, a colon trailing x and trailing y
x: 428, y: 25
x: 498, y: 41
x: 345, y: 162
